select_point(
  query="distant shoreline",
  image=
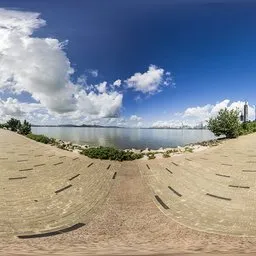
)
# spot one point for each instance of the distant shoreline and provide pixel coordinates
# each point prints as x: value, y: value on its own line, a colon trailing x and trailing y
x: 120, y: 127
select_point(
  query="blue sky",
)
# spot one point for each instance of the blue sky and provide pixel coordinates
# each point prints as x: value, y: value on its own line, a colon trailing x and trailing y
x: 209, y: 48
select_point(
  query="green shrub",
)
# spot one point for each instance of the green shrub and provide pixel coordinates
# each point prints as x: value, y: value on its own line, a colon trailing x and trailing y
x: 40, y: 138
x: 61, y: 146
x: 188, y: 149
x: 151, y: 156
x: 174, y: 150
x: 166, y: 155
x: 110, y: 153
x: 13, y: 124
x: 226, y: 123
x: 16, y: 126
x: 248, y: 127
x: 25, y: 128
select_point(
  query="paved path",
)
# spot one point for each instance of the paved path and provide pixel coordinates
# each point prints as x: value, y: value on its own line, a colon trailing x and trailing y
x: 44, y: 189
x: 196, y: 202
x: 212, y: 191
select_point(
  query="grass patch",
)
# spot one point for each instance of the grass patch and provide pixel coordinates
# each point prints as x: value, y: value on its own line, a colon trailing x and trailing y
x: 111, y: 154
x: 175, y: 150
x: 40, y: 138
x: 188, y: 149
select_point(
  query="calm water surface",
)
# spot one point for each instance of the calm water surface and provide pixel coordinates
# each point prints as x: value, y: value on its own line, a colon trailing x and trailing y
x: 124, y: 138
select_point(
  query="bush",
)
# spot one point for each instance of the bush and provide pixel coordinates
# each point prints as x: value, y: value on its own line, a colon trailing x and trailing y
x: 226, y: 123
x: 188, y: 149
x: 13, y: 124
x: 166, y: 155
x: 16, y: 126
x: 40, y: 138
x: 25, y: 128
x: 248, y: 127
x: 110, y: 153
x: 174, y: 150
x: 151, y: 156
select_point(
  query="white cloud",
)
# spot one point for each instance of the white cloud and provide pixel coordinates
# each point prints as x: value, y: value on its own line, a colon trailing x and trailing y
x: 24, y: 22
x: 92, y: 108
x: 194, y: 116
x: 94, y: 72
x: 102, y: 87
x: 137, y: 98
x: 149, y: 82
x: 139, y: 125
x: 203, y: 113
x: 198, y: 112
x: 10, y: 108
x: 101, y: 105
x: 40, y: 67
x: 35, y: 65
x: 13, y: 108
x: 117, y: 83
x: 135, y: 118
x: 82, y: 80
x: 167, y: 124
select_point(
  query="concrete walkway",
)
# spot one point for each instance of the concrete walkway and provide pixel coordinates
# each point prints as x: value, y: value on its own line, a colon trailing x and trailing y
x: 59, y: 200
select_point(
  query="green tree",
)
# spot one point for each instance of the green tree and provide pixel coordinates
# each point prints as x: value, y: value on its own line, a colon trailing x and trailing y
x: 226, y: 123
x: 13, y: 124
x: 248, y: 127
x: 25, y: 128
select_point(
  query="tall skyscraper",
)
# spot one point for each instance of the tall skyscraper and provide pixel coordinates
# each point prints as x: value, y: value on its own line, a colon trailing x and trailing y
x: 255, y: 113
x: 246, y: 112
x: 241, y: 116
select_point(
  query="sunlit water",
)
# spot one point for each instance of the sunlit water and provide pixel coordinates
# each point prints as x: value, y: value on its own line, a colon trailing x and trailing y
x: 126, y: 138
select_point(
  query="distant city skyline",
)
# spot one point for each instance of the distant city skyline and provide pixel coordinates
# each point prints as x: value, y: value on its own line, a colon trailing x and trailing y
x: 154, y: 63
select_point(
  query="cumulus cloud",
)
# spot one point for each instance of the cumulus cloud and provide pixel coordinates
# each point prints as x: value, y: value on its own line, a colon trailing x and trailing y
x: 167, y: 124
x: 198, y: 112
x: 196, y: 116
x: 101, y: 105
x: 102, y: 87
x: 151, y: 81
x: 82, y: 80
x: 135, y: 118
x: 90, y: 111
x: 10, y: 108
x: 24, y: 22
x: 137, y: 98
x: 117, y: 83
x: 205, y: 112
x: 35, y: 65
x: 40, y: 67
x: 93, y: 72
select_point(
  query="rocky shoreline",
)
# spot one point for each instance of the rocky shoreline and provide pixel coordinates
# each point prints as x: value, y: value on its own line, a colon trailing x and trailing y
x: 148, y: 153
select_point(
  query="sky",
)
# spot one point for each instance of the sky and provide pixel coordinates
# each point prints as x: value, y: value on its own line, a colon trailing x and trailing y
x: 146, y: 63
